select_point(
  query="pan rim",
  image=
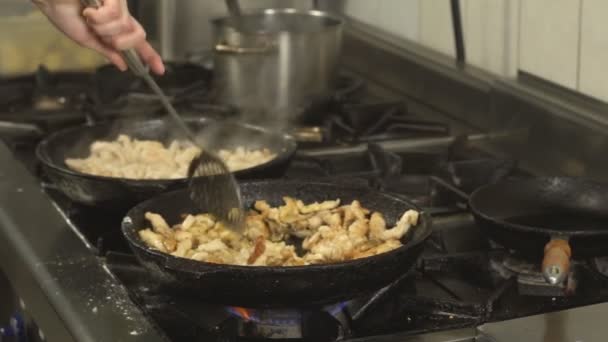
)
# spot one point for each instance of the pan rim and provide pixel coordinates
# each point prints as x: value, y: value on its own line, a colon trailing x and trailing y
x: 527, y: 228
x: 136, y: 241
x: 282, y: 155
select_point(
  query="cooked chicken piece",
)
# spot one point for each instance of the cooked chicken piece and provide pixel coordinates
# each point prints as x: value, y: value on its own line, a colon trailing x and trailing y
x: 408, y: 219
x: 377, y: 226
x: 205, y: 220
x: 240, y: 158
x: 230, y: 238
x: 159, y: 224
x: 258, y: 250
x: 387, y: 246
x: 256, y: 227
x: 358, y: 211
x: 347, y: 215
x: 215, y: 251
x: 331, y: 244
x: 330, y: 233
x: 170, y: 244
x: 316, y: 206
x: 188, y: 222
x: 332, y: 219
x: 181, y: 235
x: 147, y: 159
x: 278, y: 231
x: 357, y: 232
x: 301, y: 229
x: 289, y: 212
x: 183, y: 247
x: 315, y: 222
x: 277, y: 254
x: 262, y: 206
x: 215, y: 245
x: 312, y: 240
x: 152, y: 239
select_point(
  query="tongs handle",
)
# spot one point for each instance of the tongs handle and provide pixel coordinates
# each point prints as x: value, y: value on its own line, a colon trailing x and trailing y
x: 131, y: 57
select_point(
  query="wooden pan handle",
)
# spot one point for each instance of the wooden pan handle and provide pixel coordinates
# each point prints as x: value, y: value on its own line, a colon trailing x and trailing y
x: 556, y: 263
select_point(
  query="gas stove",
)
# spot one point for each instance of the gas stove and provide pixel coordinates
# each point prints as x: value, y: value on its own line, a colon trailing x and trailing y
x: 462, y: 280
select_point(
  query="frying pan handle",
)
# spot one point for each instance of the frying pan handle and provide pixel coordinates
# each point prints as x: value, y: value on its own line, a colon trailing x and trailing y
x: 556, y: 263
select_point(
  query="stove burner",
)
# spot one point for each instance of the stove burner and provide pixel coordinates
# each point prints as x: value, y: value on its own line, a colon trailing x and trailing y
x: 378, y: 122
x: 42, y: 102
x: 468, y: 175
x: 178, y: 79
x: 601, y: 265
x: 530, y: 280
x: 272, y: 324
x: 120, y: 93
x: 43, y: 92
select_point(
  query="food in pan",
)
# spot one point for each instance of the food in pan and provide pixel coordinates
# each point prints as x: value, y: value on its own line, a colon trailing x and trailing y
x: 329, y: 233
x: 131, y: 158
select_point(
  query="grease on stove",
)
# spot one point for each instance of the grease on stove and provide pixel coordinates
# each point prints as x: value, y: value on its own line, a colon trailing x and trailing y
x: 98, y: 298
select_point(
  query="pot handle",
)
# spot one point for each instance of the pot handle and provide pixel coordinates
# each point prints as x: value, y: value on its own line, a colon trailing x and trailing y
x: 226, y: 48
x: 556, y: 263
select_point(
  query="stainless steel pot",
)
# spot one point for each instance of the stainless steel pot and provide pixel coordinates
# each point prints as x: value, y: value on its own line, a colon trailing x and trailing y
x: 278, y: 61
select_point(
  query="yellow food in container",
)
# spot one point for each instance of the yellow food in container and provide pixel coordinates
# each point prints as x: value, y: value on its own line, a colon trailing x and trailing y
x: 30, y: 40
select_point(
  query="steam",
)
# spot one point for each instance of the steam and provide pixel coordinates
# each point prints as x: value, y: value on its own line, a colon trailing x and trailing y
x: 261, y: 85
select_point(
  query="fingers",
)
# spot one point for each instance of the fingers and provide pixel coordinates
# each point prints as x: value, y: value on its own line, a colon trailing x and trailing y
x: 111, y: 10
x: 118, y: 31
x: 113, y: 28
x: 111, y: 54
x: 151, y: 58
x: 128, y: 39
x: 114, y: 24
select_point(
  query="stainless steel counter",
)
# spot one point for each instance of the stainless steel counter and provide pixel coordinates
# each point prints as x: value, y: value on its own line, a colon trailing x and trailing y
x: 63, y: 286
x: 585, y: 324
x: 458, y: 335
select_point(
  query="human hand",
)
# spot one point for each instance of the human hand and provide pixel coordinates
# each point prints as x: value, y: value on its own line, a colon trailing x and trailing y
x: 108, y: 29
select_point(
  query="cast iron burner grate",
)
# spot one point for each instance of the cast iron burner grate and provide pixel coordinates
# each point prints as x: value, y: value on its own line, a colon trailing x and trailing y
x: 123, y: 94
x: 41, y: 102
x: 184, y: 318
x: 371, y: 122
x: 43, y: 92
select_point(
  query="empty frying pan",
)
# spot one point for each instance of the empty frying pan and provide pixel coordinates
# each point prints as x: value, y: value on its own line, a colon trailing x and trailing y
x: 556, y: 218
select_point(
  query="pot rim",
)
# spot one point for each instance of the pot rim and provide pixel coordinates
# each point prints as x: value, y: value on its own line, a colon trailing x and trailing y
x: 334, y: 21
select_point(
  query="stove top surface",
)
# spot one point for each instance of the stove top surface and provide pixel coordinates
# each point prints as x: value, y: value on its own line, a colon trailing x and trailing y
x: 461, y: 280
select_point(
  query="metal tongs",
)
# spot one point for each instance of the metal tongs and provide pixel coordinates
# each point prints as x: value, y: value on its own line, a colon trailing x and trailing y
x: 212, y: 186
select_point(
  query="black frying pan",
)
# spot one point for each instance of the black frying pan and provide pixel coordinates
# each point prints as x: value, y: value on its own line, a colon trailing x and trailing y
x: 554, y: 218
x: 251, y: 286
x: 118, y: 194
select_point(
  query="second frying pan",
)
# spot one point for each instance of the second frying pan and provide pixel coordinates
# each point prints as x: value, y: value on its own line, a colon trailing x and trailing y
x: 555, y: 218
x: 120, y: 194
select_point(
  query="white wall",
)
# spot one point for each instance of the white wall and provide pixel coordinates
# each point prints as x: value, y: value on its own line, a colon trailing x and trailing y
x: 562, y: 41
x: 593, y: 63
